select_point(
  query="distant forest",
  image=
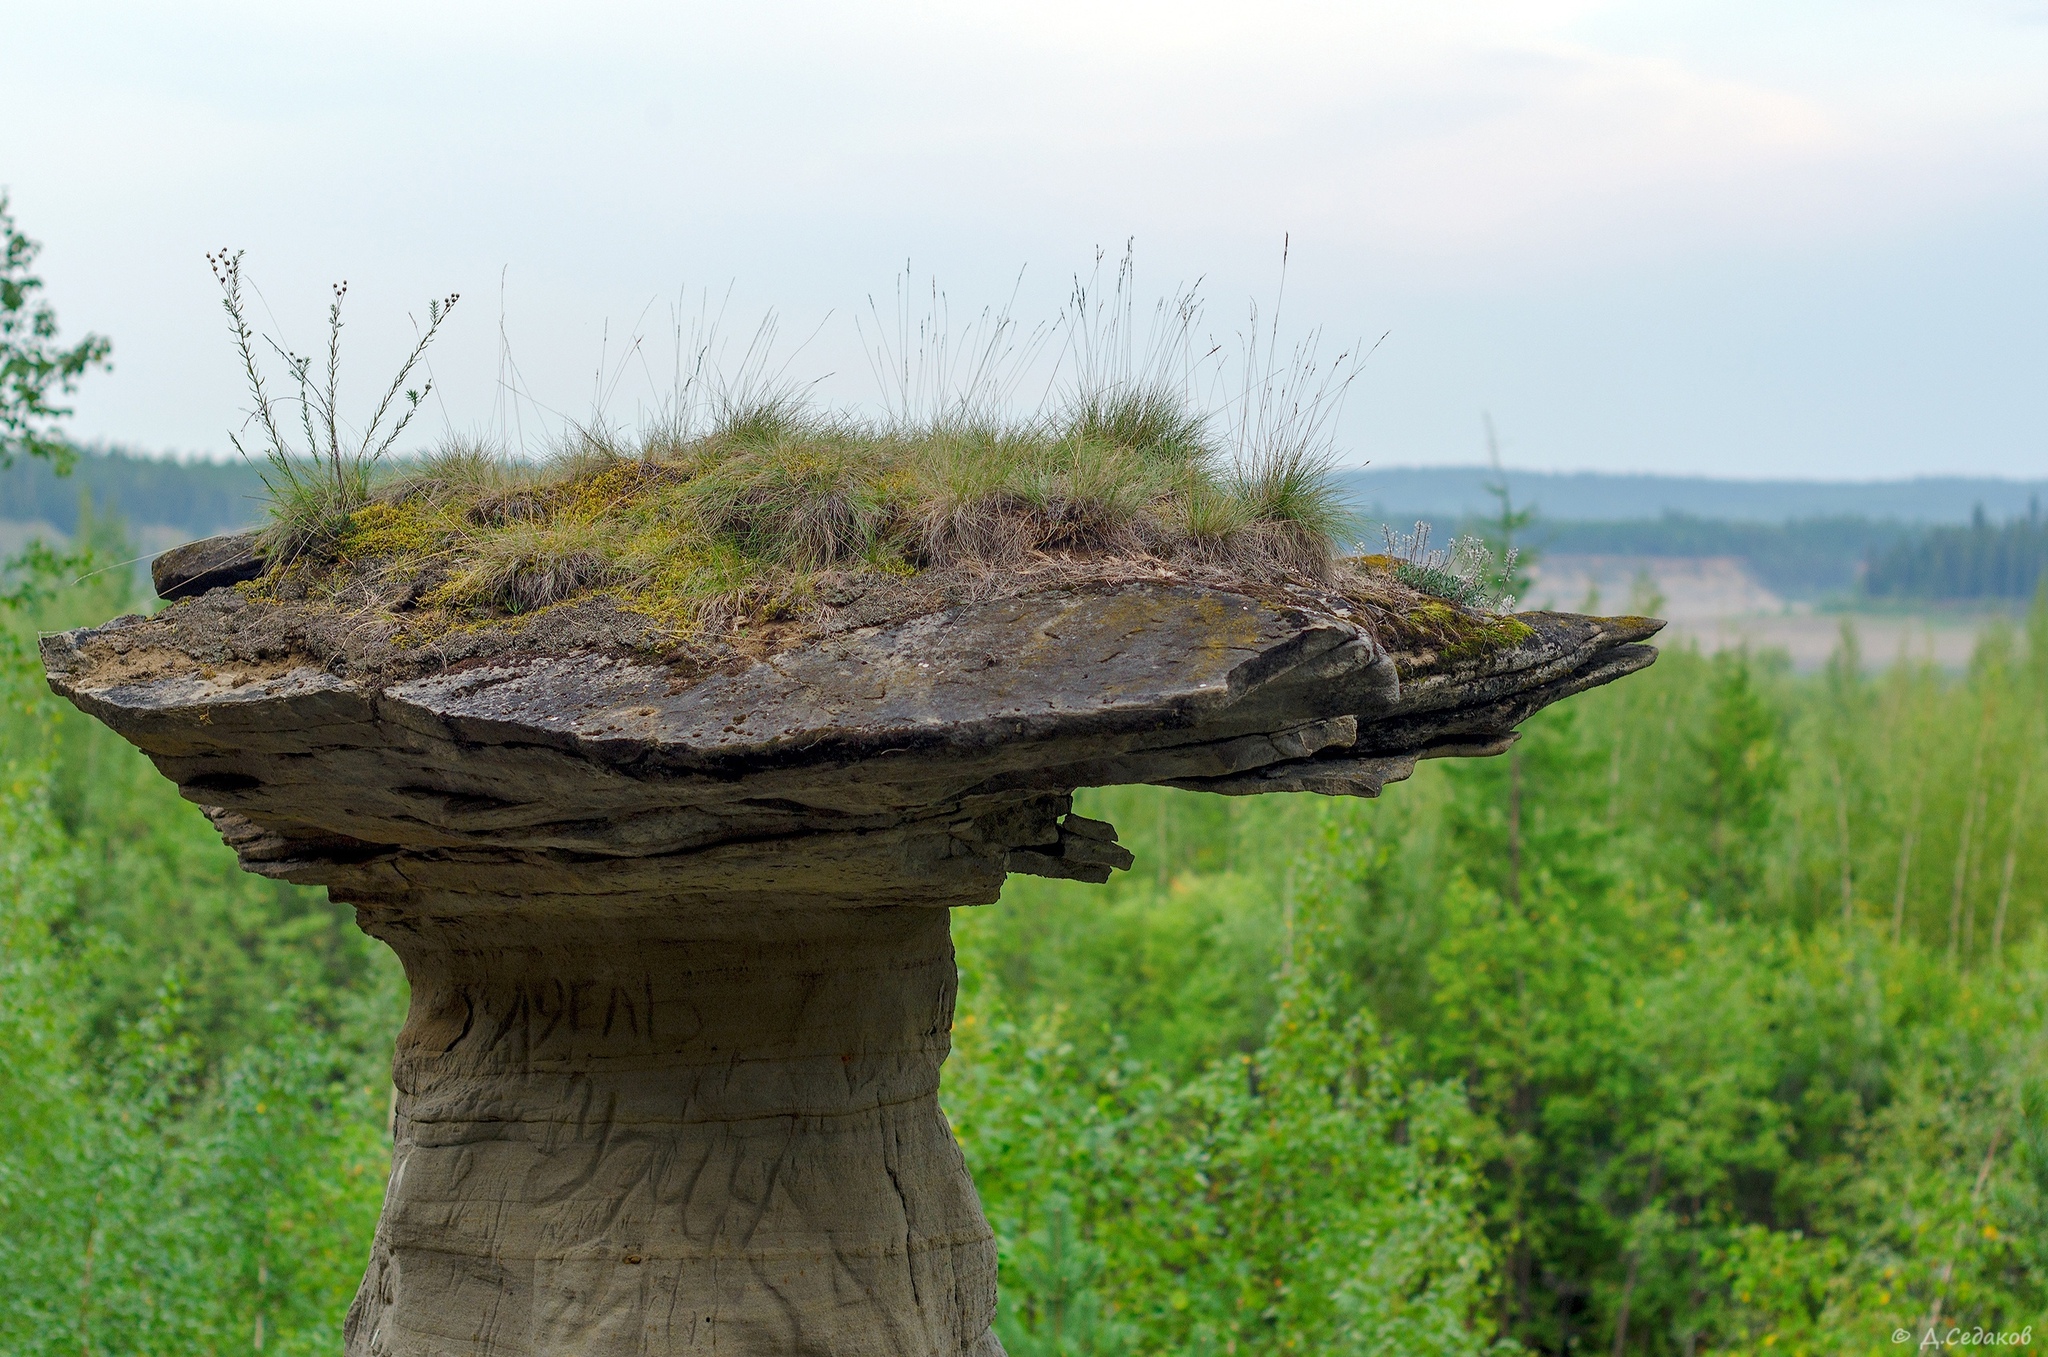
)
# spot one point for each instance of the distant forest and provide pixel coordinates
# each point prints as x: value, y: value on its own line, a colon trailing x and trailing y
x: 1983, y: 560
x: 1839, y: 555
x: 201, y: 498
x: 1817, y: 558
x: 1803, y: 558
x: 1442, y: 493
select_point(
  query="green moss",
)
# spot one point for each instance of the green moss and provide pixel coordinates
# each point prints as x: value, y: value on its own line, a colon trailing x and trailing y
x: 1451, y: 635
x: 1488, y: 637
x: 733, y: 534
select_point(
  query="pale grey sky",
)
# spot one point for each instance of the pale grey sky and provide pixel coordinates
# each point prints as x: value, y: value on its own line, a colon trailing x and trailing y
x: 1779, y: 239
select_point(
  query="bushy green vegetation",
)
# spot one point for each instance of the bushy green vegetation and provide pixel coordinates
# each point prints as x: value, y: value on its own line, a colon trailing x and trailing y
x: 1737, y: 980
x: 193, y: 1077
x: 1711, y: 1020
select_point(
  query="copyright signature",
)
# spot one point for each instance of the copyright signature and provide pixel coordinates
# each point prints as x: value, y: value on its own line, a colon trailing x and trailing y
x: 1958, y: 1337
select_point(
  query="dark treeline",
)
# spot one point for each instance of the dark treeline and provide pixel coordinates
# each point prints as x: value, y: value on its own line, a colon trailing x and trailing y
x: 1983, y: 560
x: 1819, y: 557
x: 1801, y: 558
x: 200, y: 498
x: 1805, y: 557
x: 1444, y: 493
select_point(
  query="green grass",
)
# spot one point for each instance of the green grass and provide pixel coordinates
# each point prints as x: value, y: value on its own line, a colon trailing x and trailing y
x: 751, y: 516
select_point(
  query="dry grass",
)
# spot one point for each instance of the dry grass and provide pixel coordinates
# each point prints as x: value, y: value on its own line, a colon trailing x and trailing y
x: 747, y: 517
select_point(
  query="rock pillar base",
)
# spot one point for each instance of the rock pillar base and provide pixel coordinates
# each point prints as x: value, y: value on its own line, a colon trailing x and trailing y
x: 683, y: 1131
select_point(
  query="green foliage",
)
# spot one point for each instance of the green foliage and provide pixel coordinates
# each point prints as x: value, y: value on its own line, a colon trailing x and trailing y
x: 1297, y: 1198
x: 192, y: 1098
x: 1713, y: 1020
x: 33, y: 368
x: 31, y: 577
x: 1713, y: 1107
x: 1739, y: 773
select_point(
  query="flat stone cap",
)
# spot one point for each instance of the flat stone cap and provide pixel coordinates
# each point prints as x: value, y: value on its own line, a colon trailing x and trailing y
x: 943, y: 724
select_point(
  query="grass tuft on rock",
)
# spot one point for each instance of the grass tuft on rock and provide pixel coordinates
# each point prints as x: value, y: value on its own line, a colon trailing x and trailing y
x: 752, y: 513
x: 745, y: 519
x: 779, y: 524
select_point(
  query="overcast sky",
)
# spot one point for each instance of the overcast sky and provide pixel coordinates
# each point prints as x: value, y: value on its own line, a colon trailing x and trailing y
x: 1758, y: 239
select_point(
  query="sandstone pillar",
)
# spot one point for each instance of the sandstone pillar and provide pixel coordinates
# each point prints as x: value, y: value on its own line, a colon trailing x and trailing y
x: 707, y: 1132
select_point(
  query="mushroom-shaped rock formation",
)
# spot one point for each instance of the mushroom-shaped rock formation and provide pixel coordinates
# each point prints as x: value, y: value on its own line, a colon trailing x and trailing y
x: 682, y: 976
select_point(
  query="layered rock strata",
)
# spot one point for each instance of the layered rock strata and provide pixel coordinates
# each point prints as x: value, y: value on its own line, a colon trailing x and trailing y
x: 681, y: 972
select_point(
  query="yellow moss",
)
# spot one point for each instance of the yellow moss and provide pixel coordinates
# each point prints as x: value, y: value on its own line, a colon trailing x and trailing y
x: 449, y: 594
x: 380, y: 529
x: 614, y: 491
x: 674, y: 594
x: 674, y: 612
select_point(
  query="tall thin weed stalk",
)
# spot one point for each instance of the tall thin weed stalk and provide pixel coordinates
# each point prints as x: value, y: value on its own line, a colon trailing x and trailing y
x: 314, y: 488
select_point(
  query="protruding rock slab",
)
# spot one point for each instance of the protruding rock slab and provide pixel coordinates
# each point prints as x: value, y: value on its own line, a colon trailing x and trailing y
x: 682, y: 978
x: 212, y: 563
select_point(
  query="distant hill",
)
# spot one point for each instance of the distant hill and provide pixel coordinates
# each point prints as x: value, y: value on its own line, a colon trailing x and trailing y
x: 1401, y: 494
x: 1803, y: 559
